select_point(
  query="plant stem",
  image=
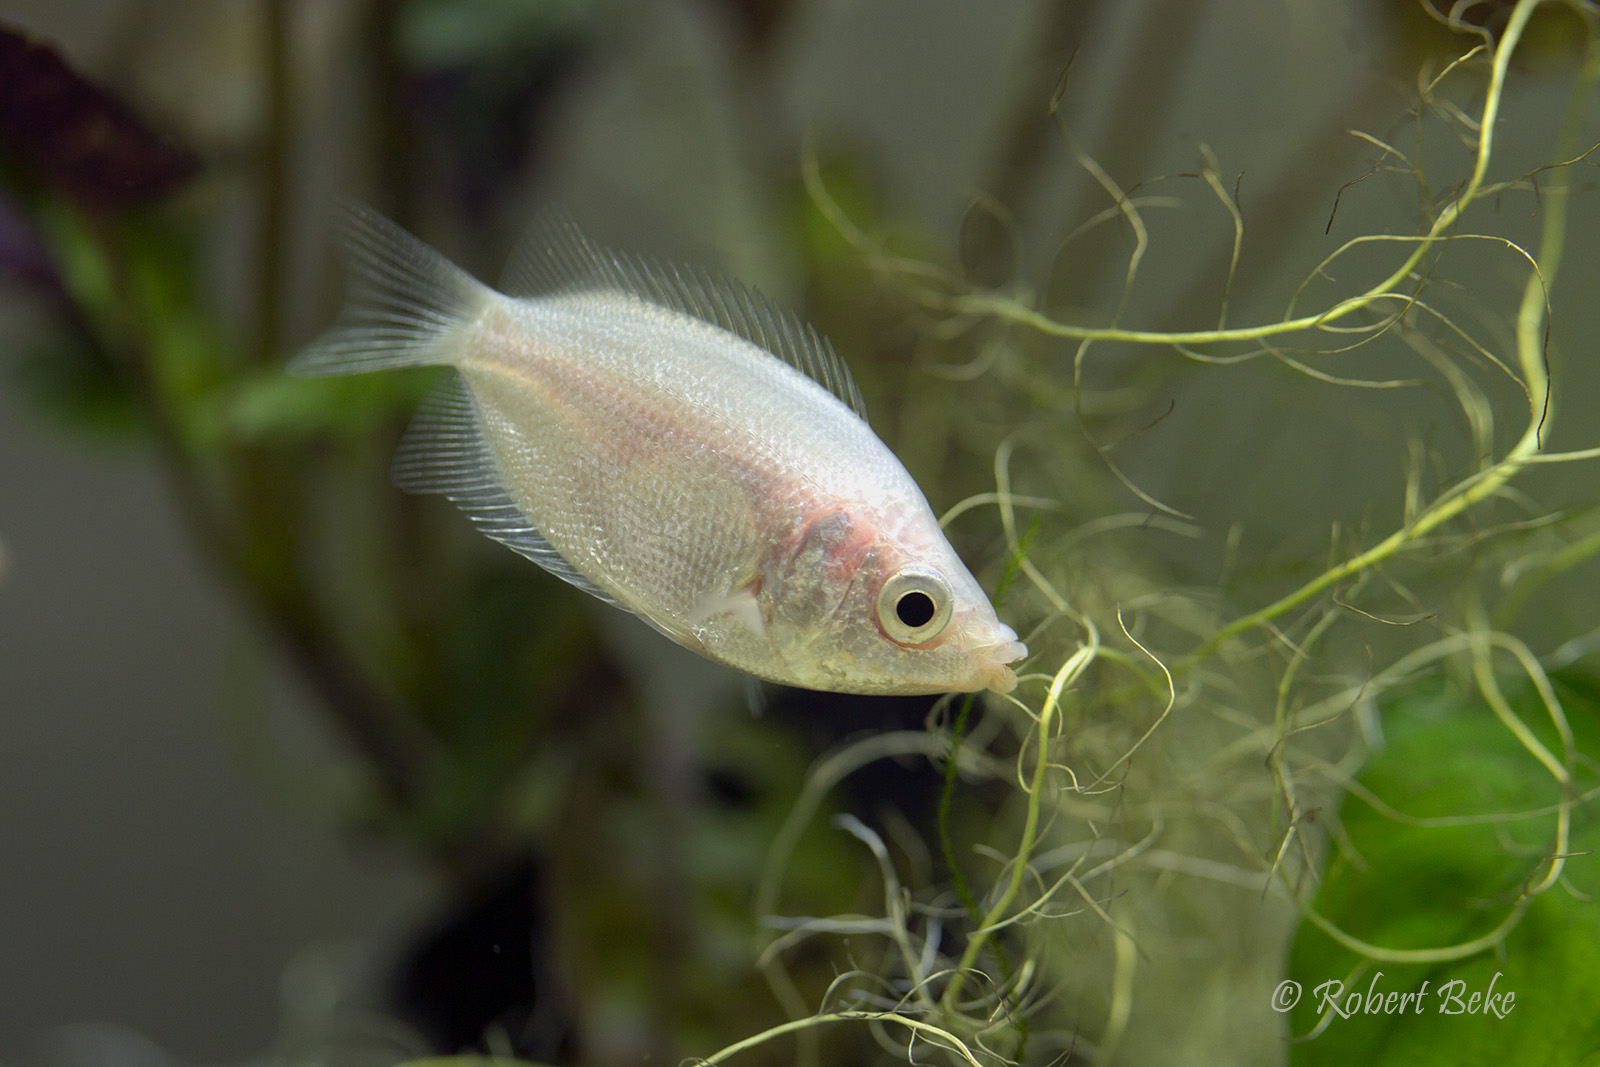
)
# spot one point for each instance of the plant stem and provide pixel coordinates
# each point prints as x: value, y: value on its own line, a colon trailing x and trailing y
x: 1530, y: 333
x: 997, y: 912
x: 275, y: 152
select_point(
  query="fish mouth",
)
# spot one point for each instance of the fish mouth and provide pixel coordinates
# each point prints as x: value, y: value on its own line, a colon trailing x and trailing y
x: 994, y: 671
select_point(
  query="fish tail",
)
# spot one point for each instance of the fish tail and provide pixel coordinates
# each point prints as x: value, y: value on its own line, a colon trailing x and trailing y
x: 407, y: 304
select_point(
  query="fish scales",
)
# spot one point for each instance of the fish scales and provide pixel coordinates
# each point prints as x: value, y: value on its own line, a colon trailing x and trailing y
x: 621, y: 446
x: 672, y: 465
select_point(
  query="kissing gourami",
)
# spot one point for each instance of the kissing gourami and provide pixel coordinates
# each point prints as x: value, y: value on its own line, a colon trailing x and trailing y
x: 676, y: 446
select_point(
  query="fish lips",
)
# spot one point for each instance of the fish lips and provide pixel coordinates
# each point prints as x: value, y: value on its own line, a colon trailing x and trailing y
x: 994, y: 660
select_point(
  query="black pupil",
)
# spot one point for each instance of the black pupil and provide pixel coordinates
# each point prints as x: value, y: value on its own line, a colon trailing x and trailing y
x: 914, y: 610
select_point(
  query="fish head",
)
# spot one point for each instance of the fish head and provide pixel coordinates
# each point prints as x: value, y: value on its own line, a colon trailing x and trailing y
x: 867, y: 600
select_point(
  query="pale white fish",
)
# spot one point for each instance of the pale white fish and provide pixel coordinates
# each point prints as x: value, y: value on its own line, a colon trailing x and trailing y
x: 676, y: 446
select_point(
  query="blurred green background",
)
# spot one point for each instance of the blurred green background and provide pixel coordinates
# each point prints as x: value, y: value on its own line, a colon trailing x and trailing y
x: 292, y: 765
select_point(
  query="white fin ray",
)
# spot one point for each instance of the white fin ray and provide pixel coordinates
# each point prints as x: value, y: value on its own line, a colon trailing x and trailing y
x: 755, y: 696
x: 405, y: 303
x: 443, y: 451
x: 556, y: 257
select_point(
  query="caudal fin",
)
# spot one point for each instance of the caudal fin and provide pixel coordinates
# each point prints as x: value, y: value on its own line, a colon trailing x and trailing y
x: 405, y: 307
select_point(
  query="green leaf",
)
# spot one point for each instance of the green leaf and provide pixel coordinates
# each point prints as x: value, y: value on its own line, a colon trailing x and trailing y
x: 447, y: 33
x: 79, y: 390
x: 1418, y: 876
x: 273, y: 407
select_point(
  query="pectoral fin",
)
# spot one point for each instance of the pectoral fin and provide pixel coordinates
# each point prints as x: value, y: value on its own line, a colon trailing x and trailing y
x: 741, y: 604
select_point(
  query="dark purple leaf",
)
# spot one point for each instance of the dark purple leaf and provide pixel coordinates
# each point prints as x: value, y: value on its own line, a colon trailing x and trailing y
x: 71, y: 135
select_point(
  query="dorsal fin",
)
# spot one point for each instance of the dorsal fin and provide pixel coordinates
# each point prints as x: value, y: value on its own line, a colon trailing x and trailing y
x: 555, y: 257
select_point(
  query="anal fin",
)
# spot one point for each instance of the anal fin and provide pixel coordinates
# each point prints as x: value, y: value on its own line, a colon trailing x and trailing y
x: 443, y: 451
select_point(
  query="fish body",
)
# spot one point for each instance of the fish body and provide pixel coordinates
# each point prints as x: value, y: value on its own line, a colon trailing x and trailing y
x: 678, y: 447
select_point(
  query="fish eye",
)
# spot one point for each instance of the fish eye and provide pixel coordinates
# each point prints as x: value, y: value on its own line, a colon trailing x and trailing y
x: 914, y: 606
